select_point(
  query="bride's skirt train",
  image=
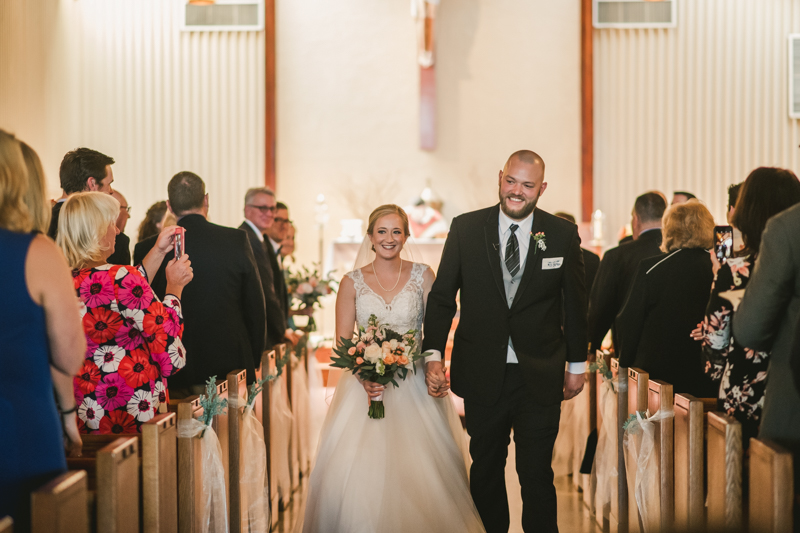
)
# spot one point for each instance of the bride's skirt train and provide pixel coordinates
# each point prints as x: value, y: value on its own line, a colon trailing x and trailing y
x: 406, y: 473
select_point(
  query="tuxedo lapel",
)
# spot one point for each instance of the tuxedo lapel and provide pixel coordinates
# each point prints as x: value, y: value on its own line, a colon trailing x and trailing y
x: 533, y: 259
x: 492, y: 236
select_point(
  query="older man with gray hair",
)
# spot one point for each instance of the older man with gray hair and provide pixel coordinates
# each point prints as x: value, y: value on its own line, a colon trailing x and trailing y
x: 259, y: 214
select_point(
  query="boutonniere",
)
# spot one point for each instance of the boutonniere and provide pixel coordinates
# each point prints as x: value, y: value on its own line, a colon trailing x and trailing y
x: 540, y: 242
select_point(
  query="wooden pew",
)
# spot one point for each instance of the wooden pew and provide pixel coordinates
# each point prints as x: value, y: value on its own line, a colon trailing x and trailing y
x: 724, y: 460
x: 160, y: 474
x: 619, y: 506
x: 689, y: 461
x: 6, y: 525
x: 771, y: 487
x: 602, y: 508
x: 660, y: 397
x: 190, y: 471
x: 62, y: 505
x: 222, y: 428
x: 237, y: 398
x: 638, y: 398
x: 268, y: 362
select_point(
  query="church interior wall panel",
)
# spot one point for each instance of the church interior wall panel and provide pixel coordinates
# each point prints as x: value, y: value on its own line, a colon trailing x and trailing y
x: 696, y: 107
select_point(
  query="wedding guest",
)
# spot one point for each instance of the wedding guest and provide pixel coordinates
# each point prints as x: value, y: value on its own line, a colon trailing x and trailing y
x: 591, y: 261
x: 288, y: 246
x: 766, y: 320
x: 618, y: 267
x: 41, y: 342
x: 681, y: 197
x: 134, y: 340
x: 122, y: 244
x: 169, y: 219
x: 668, y: 297
x: 741, y: 372
x: 151, y: 224
x: 38, y: 208
x: 224, y: 305
x: 276, y: 233
x: 81, y: 169
x: 259, y: 213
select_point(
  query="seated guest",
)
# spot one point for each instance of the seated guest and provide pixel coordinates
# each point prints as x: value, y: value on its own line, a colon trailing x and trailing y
x: 151, y: 224
x: 224, y: 305
x: 41, y: 342
x: 81, y: 169
x: 134, y: 340
x: 681, y: 197
x: 667, y: 299
x: 616, y: 271
x: 259, y: 212
x: 122, y: 244
x: 591, y: 261
x: 765, y: 193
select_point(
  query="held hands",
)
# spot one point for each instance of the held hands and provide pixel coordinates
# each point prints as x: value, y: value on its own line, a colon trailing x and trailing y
x: 73, y: 444
x: 697, y: 333
x: 373, y: 389
x: 436, y: 379
x: 573, y: 384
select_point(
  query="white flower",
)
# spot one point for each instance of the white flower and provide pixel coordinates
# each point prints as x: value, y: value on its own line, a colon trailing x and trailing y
x: 373, y: 353
x: 542, y: 246
x: 107, y: 358
x: 305, y: 288
x: 393, y: 344
x: 159, y: 393
x: 380, y: 368
x: 177, y: 354
x: 91, y: 412
x: 141, y: 406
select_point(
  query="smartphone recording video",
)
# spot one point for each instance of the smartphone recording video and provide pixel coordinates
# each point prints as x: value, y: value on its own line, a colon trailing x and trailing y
x: 179, y: 243
x: 723, y: 242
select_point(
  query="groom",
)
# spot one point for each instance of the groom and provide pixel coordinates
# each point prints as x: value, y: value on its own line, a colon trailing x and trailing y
x: 523, y: 317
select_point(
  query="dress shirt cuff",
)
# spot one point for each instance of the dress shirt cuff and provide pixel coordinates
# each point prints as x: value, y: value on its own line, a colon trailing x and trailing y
x: 435, y: 355
x: 576, y: 368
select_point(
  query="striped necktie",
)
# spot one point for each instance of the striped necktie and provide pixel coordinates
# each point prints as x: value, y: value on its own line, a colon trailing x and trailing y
x: 512, y: 252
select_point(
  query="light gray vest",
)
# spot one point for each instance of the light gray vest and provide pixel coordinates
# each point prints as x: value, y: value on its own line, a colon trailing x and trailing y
x: 511, y: 284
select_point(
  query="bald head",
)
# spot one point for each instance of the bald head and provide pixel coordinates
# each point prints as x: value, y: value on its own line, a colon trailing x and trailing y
x: 525, y: 156
x: 521, y: 184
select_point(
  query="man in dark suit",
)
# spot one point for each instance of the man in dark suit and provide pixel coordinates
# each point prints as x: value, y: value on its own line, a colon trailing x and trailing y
x: 223, y: 307
x: 591, y: 261
x: 275, y: 235
x: 523, y: 317
x: 259, y: 214
x: 122, y: 244
x: 618, y: 267
x: 81, y: 170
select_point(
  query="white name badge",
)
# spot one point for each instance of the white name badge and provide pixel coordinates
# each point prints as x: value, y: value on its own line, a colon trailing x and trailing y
x: 552, y: 262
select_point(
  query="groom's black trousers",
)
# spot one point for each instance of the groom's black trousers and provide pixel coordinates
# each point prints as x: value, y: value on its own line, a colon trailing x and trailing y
x: 535, y: 428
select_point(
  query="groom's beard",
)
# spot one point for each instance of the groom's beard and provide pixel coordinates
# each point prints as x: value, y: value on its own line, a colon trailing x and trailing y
x: 521, y: 212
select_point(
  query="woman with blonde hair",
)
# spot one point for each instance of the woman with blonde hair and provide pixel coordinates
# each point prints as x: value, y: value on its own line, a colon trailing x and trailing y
x: 35, y: 198
x: 667, y: 299
x: 134, y: 340
x: 41, y: 345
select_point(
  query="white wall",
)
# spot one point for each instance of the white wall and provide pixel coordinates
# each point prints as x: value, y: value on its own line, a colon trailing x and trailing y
x: 348, y: 104
x: 693, y: 108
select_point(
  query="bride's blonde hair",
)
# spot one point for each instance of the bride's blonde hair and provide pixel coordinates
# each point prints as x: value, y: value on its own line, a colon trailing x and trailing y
x: 388, y: 209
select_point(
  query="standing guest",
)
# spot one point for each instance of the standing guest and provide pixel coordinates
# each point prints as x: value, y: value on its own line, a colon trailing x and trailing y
x: 151, y: 224
x: 134, y: 340
x: 616, y: 271
x: 733, y: 195
x: 681, y: 197
x: 276, y: 233
x: 38, y: 208
x: 766, y: 320
x: 259, y: 213
x: 41, y: 343
x: 288, y: 246
x: 81, y: 170
x: 741, y: 371
x: 591, y: 261
x: 668, y: 297
x: 122, y: 244
x: 224, y: 305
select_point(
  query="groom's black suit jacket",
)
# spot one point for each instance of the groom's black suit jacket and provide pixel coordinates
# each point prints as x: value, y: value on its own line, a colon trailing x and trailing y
x: 546, y: 323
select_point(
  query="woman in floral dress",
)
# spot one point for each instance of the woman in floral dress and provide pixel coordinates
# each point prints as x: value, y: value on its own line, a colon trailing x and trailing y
x: 742, y: 372
x: 133, y: 339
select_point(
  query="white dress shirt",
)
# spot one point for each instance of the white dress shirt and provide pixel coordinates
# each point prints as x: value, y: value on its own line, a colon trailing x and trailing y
x: 258, y: 231
x: 523, y: 233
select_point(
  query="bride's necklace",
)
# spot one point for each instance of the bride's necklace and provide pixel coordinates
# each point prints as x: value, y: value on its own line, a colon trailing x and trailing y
x: 379, y: 279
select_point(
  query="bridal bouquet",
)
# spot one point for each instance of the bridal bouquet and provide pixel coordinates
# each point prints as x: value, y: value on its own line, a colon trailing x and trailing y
x: 378, y: 354
x: 306, y: 287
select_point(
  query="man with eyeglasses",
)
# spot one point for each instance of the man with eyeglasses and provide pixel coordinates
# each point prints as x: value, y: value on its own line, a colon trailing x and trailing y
x: 122, y: 245
x: 276, y: 233
x: 259, y: 216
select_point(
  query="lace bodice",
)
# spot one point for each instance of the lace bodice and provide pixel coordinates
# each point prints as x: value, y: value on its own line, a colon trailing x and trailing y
x: 403, y: 313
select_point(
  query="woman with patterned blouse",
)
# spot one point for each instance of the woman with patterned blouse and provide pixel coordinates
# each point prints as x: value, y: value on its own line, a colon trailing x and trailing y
x: 134, y: 340
x: 740, y: 371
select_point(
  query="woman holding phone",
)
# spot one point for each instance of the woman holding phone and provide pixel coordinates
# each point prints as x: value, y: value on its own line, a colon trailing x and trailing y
x: 740, y: 371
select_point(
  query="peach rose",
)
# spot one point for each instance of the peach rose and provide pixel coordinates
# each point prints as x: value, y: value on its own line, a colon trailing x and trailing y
x: 352, y: 350
x: 359, y: 360
x: 389, y: 359
x: 361, y: 346
x: 402, y: 360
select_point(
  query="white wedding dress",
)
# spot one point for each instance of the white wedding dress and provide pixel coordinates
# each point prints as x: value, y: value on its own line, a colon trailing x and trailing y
x: 405, y: 473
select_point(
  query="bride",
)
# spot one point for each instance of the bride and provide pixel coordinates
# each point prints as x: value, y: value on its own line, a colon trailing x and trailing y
x: 408, y: 471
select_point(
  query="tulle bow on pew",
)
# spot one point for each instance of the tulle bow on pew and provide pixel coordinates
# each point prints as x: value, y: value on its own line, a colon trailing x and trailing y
x: 606, y: 455
x: 215, y: 513
x: 641, y: 465
x: 254, y: 477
